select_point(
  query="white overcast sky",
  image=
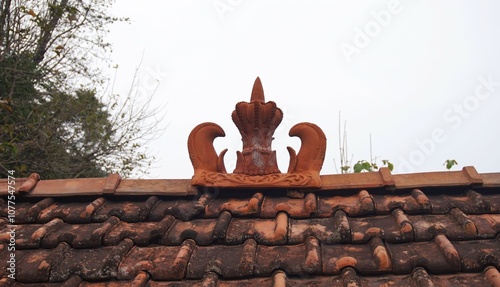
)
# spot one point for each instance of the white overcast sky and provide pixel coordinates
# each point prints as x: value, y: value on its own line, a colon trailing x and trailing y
x: 422, y: 77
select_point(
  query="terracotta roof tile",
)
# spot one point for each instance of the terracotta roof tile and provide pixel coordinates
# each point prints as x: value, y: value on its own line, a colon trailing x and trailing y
x: 234, y: 261
x: 494, y: 202
x: 414, y: 202
x: 330, y: 230
x: 30, y: 236
x: 91, y: 264
x: 478, y: 254
x: 366, y: 258
x: 470, y: 202
x: 73, y: 212
x: 72, y: 281
x: 79, y: 235
x: 200, y: 230
x: 184, y: 209
x: 438, y: 256
x: 296, y: 260
x: 141, y: 233
x: 141, y: 280
x: 372, y: 229
x: 129, y: 211
x: 295, y: 207
x: 27, y: 211
x: 246, y: 205
x: 263, y: 231
x: 488, y: 225
x: 36, y: 265
x: 153, y: 260
x: 392, y: 228
x: 354, y: 205
x: 4, y: 256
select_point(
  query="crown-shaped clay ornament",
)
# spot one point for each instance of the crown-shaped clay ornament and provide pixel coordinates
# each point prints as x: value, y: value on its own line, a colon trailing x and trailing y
x: 257, y: 121
x: 256, y: 164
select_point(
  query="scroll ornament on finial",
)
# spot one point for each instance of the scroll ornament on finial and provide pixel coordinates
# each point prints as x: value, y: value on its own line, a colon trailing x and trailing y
x: 256, y: 164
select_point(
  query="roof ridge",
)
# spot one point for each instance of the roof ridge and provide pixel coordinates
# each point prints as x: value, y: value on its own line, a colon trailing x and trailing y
x: 115, y: 185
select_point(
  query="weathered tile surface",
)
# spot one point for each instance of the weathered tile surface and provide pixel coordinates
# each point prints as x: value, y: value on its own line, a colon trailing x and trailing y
x: 445, y: 233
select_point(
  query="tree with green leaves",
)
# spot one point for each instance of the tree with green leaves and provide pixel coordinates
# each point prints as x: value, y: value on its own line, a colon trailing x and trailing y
x: 53, y: 120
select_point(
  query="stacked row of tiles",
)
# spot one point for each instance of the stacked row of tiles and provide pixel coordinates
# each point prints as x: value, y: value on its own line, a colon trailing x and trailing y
x: 255, y: 234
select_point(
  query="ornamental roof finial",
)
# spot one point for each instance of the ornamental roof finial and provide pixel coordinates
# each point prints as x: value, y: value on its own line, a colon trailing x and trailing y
x: 257, y: 91
x: 256, y: 164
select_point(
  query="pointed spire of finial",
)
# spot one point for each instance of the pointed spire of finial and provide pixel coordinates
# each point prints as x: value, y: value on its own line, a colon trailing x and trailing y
x: 257, y: 91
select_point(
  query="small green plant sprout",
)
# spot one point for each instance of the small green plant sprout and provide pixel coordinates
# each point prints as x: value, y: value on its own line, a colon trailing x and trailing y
x: 361, y: 165
x: 364, y: 165
x: 449, y: 163
x: 389, y: 164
